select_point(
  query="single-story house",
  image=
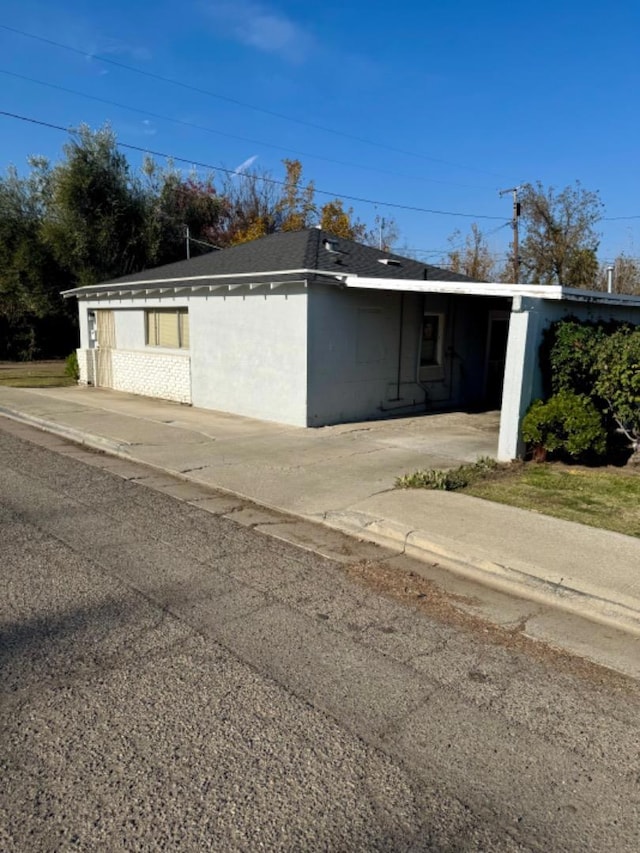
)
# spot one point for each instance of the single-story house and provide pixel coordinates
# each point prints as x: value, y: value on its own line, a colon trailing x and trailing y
x: 309, y: 329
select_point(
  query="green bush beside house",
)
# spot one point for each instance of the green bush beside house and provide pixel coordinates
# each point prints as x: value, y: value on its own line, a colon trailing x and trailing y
x: 592, y: 372
x: 568, y: 423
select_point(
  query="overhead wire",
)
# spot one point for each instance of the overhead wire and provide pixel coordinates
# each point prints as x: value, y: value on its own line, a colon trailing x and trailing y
x: 459, y: 244
x: 265, y: 111
x: 195, y: 126
x: 273, y: 113
x: 275, y: 181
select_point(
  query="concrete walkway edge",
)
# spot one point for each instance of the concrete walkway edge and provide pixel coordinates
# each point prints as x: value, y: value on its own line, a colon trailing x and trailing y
x: 98, y: 442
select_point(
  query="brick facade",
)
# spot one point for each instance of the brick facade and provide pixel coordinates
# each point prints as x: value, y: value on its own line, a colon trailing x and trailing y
x: 152, y: 374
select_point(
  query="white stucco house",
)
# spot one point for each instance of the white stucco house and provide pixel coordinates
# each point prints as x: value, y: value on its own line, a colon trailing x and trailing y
x: 309, y: 329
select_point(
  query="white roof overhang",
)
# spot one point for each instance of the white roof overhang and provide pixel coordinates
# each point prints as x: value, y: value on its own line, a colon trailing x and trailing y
x: 495, y: 288
x: 254, y: 281
x: 199, y: 283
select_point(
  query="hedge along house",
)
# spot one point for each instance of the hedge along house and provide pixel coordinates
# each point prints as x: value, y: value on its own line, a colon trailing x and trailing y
x: 308, y: 329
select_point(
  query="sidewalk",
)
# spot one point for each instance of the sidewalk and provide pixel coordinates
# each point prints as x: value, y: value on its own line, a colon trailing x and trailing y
x: 343, y: 477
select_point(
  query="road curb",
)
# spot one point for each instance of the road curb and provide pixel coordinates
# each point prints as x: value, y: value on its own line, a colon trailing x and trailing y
x: 589, y: 604
x: 395, y: 536
x: 98, y: 442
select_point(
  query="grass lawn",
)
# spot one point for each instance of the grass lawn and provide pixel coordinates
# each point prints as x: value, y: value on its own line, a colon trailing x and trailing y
x: 34, y: 374
x: 602, y: 497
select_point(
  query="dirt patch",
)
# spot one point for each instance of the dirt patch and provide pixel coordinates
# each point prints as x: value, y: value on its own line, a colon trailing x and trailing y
x: 425, y: 596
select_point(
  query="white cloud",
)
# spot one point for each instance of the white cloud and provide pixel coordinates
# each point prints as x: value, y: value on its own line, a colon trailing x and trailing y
x: 247, y: 164
x: 117, y: 48
x: 262, y: 27
x: 128, y: 129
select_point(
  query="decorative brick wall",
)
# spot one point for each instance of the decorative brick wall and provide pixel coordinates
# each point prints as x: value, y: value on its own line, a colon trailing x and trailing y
x: 86, y: 366
x: 153, y: 374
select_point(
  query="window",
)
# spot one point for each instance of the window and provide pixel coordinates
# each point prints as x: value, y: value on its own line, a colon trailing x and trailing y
x: 168, y: 327
x: 431, y: 361
x: 431, y: 347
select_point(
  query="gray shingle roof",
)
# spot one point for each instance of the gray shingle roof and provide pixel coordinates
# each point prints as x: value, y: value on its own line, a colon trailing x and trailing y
x: 291, y: 250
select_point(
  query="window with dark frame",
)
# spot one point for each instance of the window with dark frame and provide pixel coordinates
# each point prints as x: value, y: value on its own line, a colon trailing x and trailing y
x: 430, y: 351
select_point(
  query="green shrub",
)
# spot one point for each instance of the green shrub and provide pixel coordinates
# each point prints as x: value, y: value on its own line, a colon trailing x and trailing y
x: 447, y: 481
x: 601, y: 362
x: 71, y: 367
x: 444, y: 481
x: 568, y: 423
x: 618, y: 380
x: 568, y: 354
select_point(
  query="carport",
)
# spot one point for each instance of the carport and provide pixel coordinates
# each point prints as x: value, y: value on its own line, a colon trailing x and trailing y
x: 480, y: 341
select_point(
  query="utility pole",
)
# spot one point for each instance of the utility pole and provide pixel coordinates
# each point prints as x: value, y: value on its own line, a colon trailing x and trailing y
x: 187, y: 237
x: 514, y: 223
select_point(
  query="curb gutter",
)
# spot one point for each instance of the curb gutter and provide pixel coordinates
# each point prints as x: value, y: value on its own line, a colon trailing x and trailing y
x: 79, y: 436
x: 589, y: 604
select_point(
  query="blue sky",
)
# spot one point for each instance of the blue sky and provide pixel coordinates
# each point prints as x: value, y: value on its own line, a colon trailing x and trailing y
x: 427, y: 104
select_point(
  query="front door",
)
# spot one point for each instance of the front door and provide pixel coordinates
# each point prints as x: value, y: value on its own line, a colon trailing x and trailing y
x: 496, y: 357
x: 106, y: 341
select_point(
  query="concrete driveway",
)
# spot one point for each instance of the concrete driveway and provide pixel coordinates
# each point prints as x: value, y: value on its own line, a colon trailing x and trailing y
x: 303, y: 471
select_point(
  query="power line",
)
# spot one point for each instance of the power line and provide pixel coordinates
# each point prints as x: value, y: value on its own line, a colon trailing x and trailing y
x: 264, y: 179
x: 264, y: 111
x: 191, y: 124
x: 211, y: 167
x: 282, y: 116
x: 460, y: 244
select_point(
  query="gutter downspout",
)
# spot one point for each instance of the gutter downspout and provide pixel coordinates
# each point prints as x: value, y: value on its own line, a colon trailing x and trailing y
x: 400, y: 338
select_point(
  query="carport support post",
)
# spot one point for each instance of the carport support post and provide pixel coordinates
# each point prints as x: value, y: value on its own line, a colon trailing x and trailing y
x: 521, y: 375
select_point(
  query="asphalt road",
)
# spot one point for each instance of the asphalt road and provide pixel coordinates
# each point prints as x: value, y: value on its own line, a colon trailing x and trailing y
x: 173, y: 680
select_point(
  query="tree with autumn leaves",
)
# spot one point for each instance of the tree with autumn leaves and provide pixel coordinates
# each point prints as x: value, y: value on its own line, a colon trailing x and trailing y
x: 291, y: 209
x: 558, y: 244
x: 92, y: 217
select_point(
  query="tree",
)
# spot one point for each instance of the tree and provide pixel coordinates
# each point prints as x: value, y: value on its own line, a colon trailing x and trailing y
x: 257, y: 207
x: 251, y: 207
x: 582, y: 269
x: 600, y: 362
x: 383, y: 235
x: 34, y: 319
x: 96, y: 221
x: 560, y: 241
x: 618, y: 381
x: 91, y: 218
x: 296, y: 208
x: 175, y: 204
x: 335, y: 219
x: 626, y: 275
x: 472, y: 257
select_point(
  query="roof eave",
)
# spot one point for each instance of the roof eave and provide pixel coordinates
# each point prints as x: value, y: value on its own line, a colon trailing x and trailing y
x: 494, y: 288
x: 196, y: 283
